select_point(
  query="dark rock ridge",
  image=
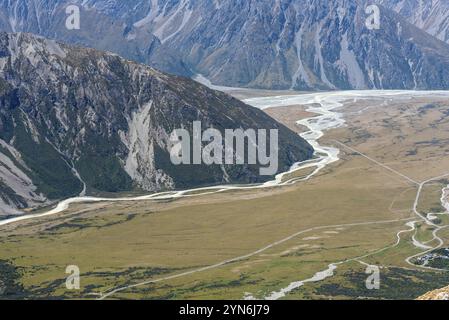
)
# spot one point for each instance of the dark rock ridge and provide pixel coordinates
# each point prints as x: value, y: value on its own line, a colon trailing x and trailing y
x: 67, y: 111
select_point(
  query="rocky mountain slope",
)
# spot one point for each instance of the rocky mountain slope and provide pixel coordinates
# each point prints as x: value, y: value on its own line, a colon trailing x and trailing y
x: 274, y: 44
x: 431, y: 16
x: 70, y: 116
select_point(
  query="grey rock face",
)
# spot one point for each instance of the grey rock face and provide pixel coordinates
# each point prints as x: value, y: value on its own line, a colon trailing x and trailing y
x: 273, y: 44
x: 431, y: 16
x: 70, y: 116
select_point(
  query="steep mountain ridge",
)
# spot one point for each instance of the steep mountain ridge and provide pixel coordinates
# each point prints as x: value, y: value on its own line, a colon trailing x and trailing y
x: 272, y: 44
x: 70, y: 116
x: 431, y: 16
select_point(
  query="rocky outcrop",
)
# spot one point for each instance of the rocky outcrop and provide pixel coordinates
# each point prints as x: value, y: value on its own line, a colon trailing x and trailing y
x: 440, y: 294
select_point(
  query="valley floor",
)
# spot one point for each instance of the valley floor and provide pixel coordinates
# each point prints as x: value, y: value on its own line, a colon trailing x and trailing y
x: 381, y: 204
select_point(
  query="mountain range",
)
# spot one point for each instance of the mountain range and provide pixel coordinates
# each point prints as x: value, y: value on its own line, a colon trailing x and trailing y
x: 271, y: 44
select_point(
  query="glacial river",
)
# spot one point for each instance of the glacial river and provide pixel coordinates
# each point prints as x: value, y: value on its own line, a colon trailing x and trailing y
x: 324, y: 105
x: 327, y: 110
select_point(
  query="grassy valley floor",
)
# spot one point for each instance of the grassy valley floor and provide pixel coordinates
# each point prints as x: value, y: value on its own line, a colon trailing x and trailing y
x: 252, y: 243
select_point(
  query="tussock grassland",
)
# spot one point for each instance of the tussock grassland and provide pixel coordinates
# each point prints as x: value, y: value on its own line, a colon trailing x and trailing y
x: 118, y: 244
